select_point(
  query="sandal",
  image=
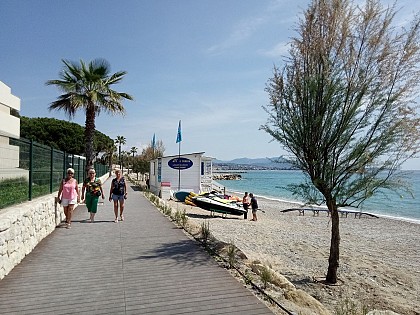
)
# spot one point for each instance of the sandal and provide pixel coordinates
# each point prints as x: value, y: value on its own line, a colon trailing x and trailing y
x: 122, y: 218
x: 116, y: 220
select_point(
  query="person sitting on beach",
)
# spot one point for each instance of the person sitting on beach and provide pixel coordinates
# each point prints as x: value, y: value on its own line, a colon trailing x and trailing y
x: 254, y: 207
x: 245, y: 204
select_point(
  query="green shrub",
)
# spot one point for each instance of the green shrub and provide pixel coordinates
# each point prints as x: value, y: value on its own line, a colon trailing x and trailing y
x: 350, y: 307
x: 167, y: 210
x: 248, y: 277
x: 184, y: 219
x: 205, y: 232
x: 266, y: 276
x: 13, y: 191
x: 16, y: 190
x: 177, y: 217
x: 231, y: 255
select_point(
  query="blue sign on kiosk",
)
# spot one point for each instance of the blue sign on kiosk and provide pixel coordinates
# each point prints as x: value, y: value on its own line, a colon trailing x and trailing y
x: 180, y: 163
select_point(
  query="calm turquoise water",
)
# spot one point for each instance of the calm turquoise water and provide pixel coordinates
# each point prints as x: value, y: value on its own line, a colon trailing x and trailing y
x: 271, y: 184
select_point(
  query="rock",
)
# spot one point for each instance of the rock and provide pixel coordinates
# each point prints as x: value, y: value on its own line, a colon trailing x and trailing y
x: 281, y: 282
x: 306, y: 302
x: 232, y: 176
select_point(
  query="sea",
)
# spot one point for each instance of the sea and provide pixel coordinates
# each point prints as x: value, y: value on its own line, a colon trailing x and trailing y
x: 272, y: 184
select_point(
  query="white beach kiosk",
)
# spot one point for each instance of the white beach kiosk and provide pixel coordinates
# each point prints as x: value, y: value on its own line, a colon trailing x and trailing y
x: 186, y: 172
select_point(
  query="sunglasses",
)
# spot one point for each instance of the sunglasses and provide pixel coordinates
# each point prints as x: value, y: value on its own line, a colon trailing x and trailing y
x: 70, y: 173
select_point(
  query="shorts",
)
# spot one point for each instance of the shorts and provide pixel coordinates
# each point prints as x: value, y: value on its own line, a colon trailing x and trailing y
x: 66, y: 202
x: 254, y: 211
x: 117, y: 197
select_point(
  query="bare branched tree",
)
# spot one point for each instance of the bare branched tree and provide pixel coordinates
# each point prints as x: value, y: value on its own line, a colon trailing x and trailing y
x: 343, y: 105
x: 141, y: 162
x: 153, y: 152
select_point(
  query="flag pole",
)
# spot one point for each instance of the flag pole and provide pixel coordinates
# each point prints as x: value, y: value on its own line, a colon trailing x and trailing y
x: 153, y: 145
x: 178, y: 140
x: 179, y: 169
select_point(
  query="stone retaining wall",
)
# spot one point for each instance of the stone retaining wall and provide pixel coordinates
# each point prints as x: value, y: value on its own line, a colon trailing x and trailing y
x: 24, y: 225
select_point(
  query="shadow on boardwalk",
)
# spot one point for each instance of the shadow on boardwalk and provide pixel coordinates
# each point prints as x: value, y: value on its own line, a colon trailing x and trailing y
x: 143, y: 265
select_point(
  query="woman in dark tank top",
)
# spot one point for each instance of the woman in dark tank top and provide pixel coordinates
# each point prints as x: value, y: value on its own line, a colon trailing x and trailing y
x: 118, y: 193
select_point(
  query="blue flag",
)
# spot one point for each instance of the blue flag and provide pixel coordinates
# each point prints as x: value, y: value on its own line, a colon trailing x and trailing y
x: 154, y: 141
x: 179, y: 136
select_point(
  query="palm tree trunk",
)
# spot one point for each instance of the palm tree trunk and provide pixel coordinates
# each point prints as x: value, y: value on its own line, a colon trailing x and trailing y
x: 119, y: 156
x: 89, y: 133
x: 333, y: 260
x: 110, y: 165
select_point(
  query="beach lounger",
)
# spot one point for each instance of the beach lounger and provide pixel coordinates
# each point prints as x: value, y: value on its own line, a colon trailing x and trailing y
x: 343, y: 213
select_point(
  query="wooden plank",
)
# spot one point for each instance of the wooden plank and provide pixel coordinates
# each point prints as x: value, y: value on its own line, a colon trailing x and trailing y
x: 144, y: 265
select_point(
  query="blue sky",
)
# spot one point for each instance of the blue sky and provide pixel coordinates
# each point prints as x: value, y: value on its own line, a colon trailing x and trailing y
x: 203, y: 62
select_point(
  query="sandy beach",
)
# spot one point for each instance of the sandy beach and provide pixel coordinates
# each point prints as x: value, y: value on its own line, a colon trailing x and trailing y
x: 379, y: 257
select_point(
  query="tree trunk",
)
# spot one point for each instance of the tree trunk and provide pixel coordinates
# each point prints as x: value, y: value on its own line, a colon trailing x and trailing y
x: 89, y: 132
x: 119, y: 156
x: 110, y: 165
x: 333, y: 260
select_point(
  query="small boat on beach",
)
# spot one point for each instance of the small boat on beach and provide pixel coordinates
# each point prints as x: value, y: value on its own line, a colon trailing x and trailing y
x: 181, y: 195
x: 214, y: 203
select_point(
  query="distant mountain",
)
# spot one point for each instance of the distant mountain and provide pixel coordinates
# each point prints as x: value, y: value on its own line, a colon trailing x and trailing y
x: 258, y: 163
x: 245, y: 160
x: 251, y: 161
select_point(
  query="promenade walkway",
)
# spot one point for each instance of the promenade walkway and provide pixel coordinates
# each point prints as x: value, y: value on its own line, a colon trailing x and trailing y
x: 144, y: 265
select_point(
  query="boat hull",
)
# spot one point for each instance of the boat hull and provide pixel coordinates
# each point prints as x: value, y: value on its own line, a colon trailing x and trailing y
x: 214, y: 205
x: 181, y: 195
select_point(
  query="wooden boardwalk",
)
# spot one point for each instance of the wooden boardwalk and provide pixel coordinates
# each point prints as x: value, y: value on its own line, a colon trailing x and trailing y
x: 144, y: 265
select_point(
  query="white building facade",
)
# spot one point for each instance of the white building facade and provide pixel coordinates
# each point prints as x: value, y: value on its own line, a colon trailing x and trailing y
x: 9, y: 127
x: 187, y: 172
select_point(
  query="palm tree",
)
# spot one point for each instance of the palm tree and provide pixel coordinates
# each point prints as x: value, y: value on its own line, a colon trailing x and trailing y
x: 109, y: 155
x: 120, y: 140
x: 88, y: 87
x: 125, y: 155
x: 133, y: 150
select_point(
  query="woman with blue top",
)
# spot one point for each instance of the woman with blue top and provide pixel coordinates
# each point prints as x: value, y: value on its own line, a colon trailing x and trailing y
x: 118, y: 193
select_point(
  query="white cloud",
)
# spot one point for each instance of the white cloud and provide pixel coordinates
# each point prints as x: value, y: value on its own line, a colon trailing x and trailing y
x: 278, y: 51
x: 277, y: 12
x: 242, y: 31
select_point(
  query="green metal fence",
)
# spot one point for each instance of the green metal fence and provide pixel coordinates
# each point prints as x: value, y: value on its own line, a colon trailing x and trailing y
x: 40, y: 171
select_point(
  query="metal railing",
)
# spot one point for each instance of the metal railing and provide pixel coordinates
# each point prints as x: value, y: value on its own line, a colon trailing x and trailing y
x: 38, y: 170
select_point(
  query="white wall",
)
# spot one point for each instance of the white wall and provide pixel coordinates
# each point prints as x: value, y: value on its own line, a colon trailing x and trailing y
x: 9, y: 127
x: 189, y: 178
